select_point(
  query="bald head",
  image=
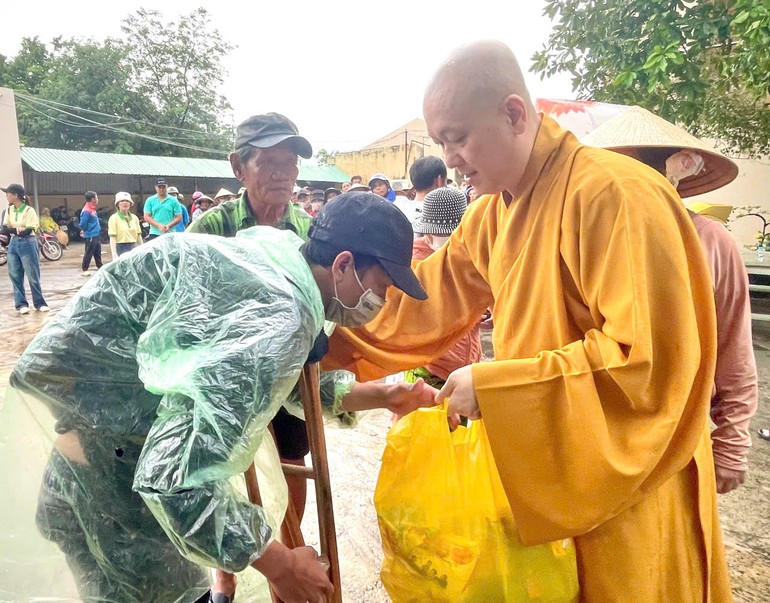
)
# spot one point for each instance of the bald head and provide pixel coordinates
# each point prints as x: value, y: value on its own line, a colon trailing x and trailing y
x: 481, y: 74
x: 478, y: 109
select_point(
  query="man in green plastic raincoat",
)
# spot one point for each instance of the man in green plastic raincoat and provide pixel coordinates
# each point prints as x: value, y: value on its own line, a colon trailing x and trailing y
x: 162, y: 375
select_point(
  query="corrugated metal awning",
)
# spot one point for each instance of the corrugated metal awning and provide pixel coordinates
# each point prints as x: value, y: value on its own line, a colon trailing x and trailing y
x: 57, y: 161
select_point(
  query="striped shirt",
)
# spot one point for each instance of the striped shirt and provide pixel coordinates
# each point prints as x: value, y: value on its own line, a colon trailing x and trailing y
x: 231, y: 216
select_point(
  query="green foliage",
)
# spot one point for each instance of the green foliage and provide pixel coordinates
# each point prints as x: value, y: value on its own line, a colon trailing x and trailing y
x: 161, y: 79
x: 324, y: 157
x: 762, y: 237
x: 705, y: 65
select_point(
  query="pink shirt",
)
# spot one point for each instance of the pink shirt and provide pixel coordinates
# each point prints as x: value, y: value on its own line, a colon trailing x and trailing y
x: 735, y: 382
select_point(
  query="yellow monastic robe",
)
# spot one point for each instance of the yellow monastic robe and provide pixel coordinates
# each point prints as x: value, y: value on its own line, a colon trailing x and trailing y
x: 605, y: 345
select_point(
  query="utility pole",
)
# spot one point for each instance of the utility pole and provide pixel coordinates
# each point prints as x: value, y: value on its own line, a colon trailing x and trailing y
x: 406, y: 151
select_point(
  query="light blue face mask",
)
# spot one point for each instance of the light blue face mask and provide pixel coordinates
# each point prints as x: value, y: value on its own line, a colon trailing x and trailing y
x: 368, y: 306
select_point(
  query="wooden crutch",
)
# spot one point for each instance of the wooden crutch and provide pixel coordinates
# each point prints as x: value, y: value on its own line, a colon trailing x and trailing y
x: 291, y: 534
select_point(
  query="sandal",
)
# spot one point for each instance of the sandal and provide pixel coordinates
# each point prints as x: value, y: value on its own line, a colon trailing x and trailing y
x: 764, y: 434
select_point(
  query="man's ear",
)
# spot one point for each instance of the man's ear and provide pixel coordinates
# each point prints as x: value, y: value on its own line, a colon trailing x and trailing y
x: 235, y: 164
x: 516, y: 109
x: 342, y: 263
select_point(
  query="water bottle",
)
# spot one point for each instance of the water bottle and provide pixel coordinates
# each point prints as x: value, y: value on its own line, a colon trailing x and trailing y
x: 760, y: 253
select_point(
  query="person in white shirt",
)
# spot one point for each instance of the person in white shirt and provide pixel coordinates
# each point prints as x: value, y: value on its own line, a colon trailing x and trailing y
x: 426, y: 174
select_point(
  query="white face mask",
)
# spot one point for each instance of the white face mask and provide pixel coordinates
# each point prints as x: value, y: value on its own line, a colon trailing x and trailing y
x: 436, y: 241
x: 368, y: 306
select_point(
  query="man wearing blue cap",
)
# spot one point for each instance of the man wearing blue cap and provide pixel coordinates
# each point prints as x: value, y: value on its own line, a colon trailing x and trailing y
x: 137, y: 492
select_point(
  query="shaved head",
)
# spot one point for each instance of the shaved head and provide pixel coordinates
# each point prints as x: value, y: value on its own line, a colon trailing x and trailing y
x: 478, y: 110
x: 483, y: 73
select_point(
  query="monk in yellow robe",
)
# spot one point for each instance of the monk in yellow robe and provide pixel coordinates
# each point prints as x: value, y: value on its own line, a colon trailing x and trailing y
x: 597, y: 403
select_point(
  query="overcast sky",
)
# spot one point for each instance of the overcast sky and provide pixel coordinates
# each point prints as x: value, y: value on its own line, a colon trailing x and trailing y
x: 345, y: 71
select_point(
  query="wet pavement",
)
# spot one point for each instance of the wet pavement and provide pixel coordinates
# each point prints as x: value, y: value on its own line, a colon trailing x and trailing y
x: 354, y: 459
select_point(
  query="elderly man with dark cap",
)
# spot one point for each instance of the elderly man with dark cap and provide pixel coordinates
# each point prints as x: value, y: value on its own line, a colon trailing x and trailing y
x: 265, y: 161
x: 154, y: 417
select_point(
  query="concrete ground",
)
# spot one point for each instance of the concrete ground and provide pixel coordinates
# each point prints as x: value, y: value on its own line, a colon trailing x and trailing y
x: 354, y: 458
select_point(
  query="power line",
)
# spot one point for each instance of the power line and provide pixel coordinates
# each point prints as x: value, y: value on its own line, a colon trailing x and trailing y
x: 110, y: 127
x: 45, y: 101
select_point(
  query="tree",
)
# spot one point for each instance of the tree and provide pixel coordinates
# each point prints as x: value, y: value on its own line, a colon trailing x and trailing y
x: 181, y: 72
x: 704, y: 65
x: 324, y: 157
x: 125, y: 96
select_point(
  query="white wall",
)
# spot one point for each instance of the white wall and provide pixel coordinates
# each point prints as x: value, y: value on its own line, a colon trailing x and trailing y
x: 751, y: 187
x: 10, y: 156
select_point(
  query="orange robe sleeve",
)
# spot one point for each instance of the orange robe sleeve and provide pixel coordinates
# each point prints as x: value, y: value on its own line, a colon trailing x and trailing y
x: 409, y: 333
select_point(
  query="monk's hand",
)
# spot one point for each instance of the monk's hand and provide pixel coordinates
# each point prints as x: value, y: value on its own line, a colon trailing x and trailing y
x: 460, y: 394
x: 728, y: 479
x: 405, y: 397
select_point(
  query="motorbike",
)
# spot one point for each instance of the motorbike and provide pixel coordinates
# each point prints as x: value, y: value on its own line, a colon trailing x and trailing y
x: 4, y: 240
x: 49, y: 246
x: 47, y: 243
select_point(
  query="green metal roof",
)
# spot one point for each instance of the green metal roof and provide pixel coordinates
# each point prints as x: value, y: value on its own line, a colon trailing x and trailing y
x: 88, y: 162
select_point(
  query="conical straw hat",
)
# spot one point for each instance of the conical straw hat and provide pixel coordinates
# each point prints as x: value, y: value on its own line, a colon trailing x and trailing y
x: 223, y: 192
x: 637, y: 128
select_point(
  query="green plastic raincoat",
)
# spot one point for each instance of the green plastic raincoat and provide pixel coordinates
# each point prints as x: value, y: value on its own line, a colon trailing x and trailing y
x: 161, y: 376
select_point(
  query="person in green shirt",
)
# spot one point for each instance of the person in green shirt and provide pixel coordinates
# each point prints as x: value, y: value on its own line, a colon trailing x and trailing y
x: 264, y: 160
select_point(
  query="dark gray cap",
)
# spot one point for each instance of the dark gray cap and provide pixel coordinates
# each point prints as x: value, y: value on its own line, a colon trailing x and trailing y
x: 365, y: 223
x: 265, y: 131
x: 15, y: 189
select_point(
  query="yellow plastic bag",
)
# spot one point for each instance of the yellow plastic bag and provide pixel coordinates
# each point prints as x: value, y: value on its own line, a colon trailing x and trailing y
x: 447, y: 529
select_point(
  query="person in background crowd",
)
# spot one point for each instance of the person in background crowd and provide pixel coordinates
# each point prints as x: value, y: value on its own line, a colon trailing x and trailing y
x: 91, y: 231
x: 295, y: 191
x: 123, y: 226
x: 182, y: 224
x: 161, y: 211
x: 380, y: 185
x: 223, y: 195
x: 470, y: 194
x: 345, y: 187
x: 442, y: 210
x: 303, y: 200
x: 356, y: 180
x: 194, y: 205
x: 20, y: 223
x: 204, y: 203
x: 317, y: 200
x: 49, y: 225
x: 358, y: 187
x: 426, y: 174
x: 330, y: 193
